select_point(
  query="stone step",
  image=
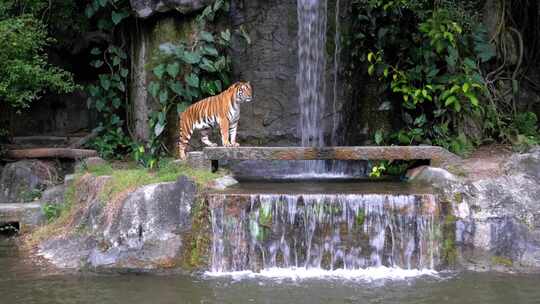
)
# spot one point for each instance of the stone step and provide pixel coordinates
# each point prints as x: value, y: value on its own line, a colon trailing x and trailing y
x: 28, y: 215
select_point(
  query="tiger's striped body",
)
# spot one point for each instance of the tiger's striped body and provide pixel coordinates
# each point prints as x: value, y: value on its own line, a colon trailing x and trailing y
x: 222, y: 110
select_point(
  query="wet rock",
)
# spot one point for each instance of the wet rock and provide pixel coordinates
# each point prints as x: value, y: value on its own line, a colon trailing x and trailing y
x: 24, y: 180
x: 142, y: 230
x: 223, y: 182
x: 146, y: 8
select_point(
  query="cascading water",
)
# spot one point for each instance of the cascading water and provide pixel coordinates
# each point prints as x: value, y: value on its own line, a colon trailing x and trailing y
x: 311, y: 81
x: 334, y: 232
x: 311, y: 71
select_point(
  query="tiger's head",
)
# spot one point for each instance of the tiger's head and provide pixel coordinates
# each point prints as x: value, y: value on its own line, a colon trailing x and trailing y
x: 243, y: 93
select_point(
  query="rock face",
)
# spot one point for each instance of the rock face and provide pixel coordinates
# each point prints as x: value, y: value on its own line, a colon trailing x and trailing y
x: 497, y: 218
x: 143, y: 230
x: 146, y: 8
x: 24, y: 180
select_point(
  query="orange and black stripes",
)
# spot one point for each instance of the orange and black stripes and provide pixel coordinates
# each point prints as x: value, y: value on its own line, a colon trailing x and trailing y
x: 211, y: 112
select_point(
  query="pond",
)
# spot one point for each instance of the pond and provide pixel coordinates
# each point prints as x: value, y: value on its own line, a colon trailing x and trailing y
x: 27, y: 281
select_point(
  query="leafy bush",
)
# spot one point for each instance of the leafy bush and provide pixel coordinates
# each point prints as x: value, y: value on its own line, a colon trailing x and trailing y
x: 428, y: 58
x: 26, y: 74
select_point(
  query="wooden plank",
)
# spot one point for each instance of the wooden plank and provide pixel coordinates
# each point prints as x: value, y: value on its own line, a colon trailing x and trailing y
x: 437, y: 155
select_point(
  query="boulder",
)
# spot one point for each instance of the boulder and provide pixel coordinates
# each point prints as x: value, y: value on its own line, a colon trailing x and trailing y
x: 140, y: 231
x: 24, y: 180
x: 497, y: 218
x: 146, y: 8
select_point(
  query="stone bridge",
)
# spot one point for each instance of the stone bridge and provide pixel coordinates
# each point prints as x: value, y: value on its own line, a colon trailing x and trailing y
x: 437, y: 156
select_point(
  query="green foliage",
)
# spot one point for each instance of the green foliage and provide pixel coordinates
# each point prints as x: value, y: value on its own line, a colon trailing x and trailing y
x: 108, y: 95
x: 389, y: 168
x: 26, y: 73
x: 184, y: 73
x: 427, y: 57
x: 52, y: 211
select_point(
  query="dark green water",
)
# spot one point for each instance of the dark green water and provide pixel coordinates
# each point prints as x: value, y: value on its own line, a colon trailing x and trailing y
x: 25, y: 281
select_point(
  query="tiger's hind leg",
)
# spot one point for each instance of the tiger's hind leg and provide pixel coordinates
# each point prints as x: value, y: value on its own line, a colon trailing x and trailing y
x: 204, y: 137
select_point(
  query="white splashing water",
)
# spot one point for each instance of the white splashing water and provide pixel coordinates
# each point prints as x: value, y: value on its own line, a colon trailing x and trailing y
x: 368, y: 274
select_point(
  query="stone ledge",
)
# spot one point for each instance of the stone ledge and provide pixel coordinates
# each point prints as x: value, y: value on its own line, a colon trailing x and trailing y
x: 28, y: 215
x: 439, y: 157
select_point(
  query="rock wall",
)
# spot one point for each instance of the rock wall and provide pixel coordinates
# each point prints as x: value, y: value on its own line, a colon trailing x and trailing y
x: 270, y: 63
x: 497, y: 218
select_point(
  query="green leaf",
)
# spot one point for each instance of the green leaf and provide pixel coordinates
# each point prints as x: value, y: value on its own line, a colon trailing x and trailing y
x: 173, y: 69
x: 153, y: 88
x: 96, y: 63
x: 450, y: 100
x: 207, y: 65
x: 181, y: 107
x: 191, y: 57
x: 103, y: 3
x: 89, y: 11
x: 192, y: 80
x: 164, y: 97
x: 176, y: 87
x: 159, y: 71
x: 206, y: 36
x: 378, y: 137
x: 210, y: 50
x: 466, y: 87
x: 371, y: 70
x: 124, y: 72
x: 117, y: 17
x: 95, y: 51
x: 226, y: 35
x: 104, y: 82
x: 158, y: 129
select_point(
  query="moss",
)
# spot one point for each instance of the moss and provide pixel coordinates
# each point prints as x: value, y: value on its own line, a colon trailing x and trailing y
x: 449, y: 250
x: 500, y: 260
x: 128, y: 176
x: 457, y: 170
x: 458, y: 197
x: 196, y: 255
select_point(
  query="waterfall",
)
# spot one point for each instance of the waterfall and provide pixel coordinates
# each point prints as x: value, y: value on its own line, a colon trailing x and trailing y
x: 311, y: 75
x: 258, y: 232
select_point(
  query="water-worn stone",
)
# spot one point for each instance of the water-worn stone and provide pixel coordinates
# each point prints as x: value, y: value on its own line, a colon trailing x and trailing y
x: 142, y: 230
x: 497, y: 217
x: 23, y: 180
x: 223, y: 183
x: 146, y: 8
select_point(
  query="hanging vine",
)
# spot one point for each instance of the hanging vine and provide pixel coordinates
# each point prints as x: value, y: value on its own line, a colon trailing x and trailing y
x: 108, y: 96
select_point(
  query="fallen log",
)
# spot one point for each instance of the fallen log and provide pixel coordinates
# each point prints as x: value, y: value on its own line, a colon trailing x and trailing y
x: 50, y: 153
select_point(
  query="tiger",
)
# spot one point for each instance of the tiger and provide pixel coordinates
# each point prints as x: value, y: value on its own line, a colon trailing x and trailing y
x: 222, y: 110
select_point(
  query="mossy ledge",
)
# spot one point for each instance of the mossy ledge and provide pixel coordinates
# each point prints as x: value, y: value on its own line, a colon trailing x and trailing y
x: 123, y: 207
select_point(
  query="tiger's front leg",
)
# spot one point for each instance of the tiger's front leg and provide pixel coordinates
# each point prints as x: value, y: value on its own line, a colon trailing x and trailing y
x: 232, y: 132
x: 224, y: 128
